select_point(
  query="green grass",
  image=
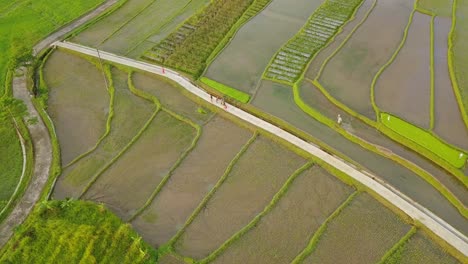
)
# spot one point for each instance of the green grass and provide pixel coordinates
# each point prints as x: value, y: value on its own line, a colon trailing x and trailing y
x: 188, y: 48
x: 11, y: 160
x: 455, y: 157
x: 224, y: 89
x: 75, y: 232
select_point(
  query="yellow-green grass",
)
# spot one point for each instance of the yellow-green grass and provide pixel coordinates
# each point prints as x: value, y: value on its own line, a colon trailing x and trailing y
x: 455, y: 157
x: 224, y: 89
x: 75, y: 232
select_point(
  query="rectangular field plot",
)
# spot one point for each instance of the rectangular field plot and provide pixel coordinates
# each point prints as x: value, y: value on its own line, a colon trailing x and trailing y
x: 11, y: 162
x: 255, y: 178
x: 170, y: 95
x: 131, y: 180
x: 289, y: 63
x: 130, y: 115
x: 97, y: 33
x: 189, y: 47
x: 219, y: 143
x: 285, y: 231
x: 404, y: 88
x: 420, y: 249
x: 361, y: 233
x: 437, y: 7
x: 152, y: 18
x: 78, y: 103
x: 348, y: 75
x: 448, y: 123
x: 241, y: 64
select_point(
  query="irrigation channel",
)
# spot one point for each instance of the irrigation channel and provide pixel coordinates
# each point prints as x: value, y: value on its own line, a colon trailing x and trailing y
x: 404, y: 203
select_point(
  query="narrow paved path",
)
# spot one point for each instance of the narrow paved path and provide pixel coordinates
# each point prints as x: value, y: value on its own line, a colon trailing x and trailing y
x: 42, y: 161
x: 411, y: 208
x: 45, y: 43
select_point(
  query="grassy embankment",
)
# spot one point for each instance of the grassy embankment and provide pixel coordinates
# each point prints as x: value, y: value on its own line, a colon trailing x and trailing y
x: 75, y: 232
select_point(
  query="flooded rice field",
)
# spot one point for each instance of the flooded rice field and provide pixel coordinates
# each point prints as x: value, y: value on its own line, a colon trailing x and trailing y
x: 404, y: 88
x: 286, y: 230
x: 219, y: 143
x: 249, y: 187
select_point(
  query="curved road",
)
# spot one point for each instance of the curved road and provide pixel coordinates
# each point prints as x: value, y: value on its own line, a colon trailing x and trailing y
x: 411, y: 208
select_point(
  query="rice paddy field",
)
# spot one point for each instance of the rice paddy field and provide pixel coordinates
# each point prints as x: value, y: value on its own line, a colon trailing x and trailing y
x: 151, y: 174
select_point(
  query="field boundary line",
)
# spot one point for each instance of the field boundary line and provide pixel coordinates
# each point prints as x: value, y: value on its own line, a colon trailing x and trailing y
x: 271, y: 205
x: 429, y: 178
x: 401, y: 243
x: 110, y: 116
x: 315, y: 239
x: 231, y: 35
x: 215, y: 188
x: 438, y: 226
x: 451, y: 65
x: 125, y: 23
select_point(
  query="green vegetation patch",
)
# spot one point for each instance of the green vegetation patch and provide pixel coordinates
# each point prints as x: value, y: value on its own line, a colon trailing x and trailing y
x: 75, y: 232
x: 291, y: 60
x: 189, y: 47
x: 229, y: 91
x: 455, y: 157
x: 11, y: 160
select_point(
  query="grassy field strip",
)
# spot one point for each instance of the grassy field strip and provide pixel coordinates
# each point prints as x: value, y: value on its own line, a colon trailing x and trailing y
x: 212, y: 192
x: 224, y: 89
x: 254, y: 9
x: 456, y: 158
x: 422, y: 173
x: 258, y: 217
x: 189, y: 47
x: 110, y: 115
x: 317, y: 235
x: 457, y: 43
x: 289, y: 63
x: 398, y: 245
x: 126, y: 22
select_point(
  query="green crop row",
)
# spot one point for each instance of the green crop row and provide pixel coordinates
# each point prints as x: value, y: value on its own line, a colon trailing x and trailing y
x: 258, y: 217
x: 189, y: 47
x: 425, y: 139
x: 288, y: 64
x: 226, y: 90
x: 318, y: 234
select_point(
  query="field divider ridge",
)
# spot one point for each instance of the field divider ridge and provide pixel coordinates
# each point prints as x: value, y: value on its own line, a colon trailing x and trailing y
x: 402, y: 242
x: 435, y: 224
x: 314, y: 240
x: 276, y: 198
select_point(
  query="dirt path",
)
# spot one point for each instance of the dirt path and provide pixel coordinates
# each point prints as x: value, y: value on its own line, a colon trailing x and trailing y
x: 398, y: 199
x: 45, y: 43
x: 42, y: 161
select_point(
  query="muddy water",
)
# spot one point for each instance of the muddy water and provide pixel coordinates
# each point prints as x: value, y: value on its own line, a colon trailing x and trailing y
x: 284, y: 232
x: 78, y: 103
x: 130, y: 115
x: 349, y: 74
x: 243, y: 61
x: 448, y: 123
x: 314, y: 98
x: 315, y: 65
x: 220, y: 141
x: 278, y: 100
x: 363, y: 232
x: 404, y: 88
x: 170, y: 96
x: 98, y: 32
x: 250, y: 186
x: 421, y: 249
x: 128, y: 184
